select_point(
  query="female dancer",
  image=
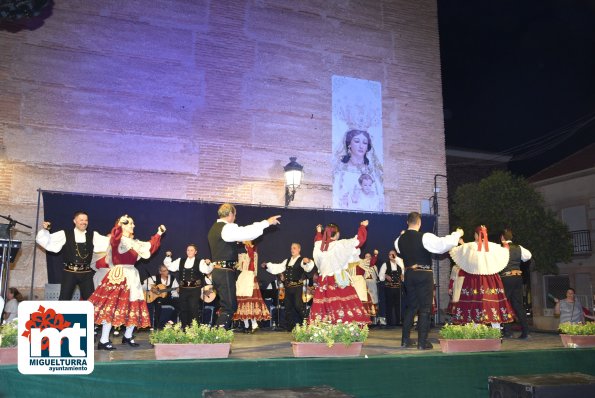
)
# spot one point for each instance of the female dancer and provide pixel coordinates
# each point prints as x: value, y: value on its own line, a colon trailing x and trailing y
x: 119, y: 299
x: 335, y: 300
x: 251, y: 306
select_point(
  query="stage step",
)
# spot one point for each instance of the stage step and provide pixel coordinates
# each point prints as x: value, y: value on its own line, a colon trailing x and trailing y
x: 299, y: 392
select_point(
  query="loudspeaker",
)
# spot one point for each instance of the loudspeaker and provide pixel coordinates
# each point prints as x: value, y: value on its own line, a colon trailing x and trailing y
x: 542, y: 386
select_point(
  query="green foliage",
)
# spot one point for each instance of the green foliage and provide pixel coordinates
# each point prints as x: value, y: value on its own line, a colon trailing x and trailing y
x: 469, y: 331
x: 193, y: 334
x: 8, y: 334
x: 326, y: 332
x: 503, y: 200
x: 575, y: 329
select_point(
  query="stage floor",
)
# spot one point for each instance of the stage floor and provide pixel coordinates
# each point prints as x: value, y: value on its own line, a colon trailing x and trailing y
x: 276, y: 344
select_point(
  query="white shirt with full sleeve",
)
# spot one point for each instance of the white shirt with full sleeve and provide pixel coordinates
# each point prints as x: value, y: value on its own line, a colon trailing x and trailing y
x: 393, y: 267
x: 336, y: 257
x: 435, y: 244
x: 279, y: 268
x: 150, y: 282
x: 174, y: 266
x: 53, y: 242
x: 232, y: 232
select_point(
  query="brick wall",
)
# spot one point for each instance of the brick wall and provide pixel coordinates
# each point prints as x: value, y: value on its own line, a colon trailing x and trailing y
x: 192, y: 100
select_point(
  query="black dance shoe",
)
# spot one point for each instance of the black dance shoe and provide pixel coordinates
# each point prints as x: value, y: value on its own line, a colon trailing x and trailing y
x: 107, y: 346
x: 129, y: 341
x: 426, y: 346
x: 407, y: 343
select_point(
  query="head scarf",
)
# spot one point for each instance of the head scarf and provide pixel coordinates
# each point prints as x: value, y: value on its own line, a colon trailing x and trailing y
x: 329, y: 231
x: 482, y: 237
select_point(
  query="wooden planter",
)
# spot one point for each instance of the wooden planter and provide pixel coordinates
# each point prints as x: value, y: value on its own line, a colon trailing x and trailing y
x: 577, y: 341
x: 470, y: 345
x: 9, y: 355
x: 192, y: 351
x: 323, y: 350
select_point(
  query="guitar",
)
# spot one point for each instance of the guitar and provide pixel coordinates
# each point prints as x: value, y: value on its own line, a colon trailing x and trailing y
x: 208, y: 294
x: 162, y: 291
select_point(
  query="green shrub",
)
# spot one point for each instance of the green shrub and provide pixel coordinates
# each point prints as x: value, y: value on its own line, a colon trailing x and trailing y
x: 193, y: 334
x: 8, y: 334
x: 469, y: 331
x: 582, y: 329
x: 326, y: 332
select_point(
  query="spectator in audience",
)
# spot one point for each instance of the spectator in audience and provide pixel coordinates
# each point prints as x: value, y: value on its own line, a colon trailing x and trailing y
x: 570, y: 310
x: 14, y: 297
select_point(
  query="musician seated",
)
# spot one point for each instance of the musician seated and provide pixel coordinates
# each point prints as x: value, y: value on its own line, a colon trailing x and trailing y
x: 162, y: 289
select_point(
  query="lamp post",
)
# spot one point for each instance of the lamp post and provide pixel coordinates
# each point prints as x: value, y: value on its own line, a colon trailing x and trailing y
x: 293, y: 178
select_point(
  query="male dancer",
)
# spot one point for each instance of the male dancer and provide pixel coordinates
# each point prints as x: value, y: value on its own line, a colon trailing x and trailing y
x: 391, y: 273
x: 293, y: 272
x: 77, y: 250
x: 223, y: 237
x: 416, y: 249
x: 512, y: 279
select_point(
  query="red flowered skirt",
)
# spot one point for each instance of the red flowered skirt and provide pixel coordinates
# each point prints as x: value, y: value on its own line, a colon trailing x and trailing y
x: 252, y: 307
x: 482, y: 300
x: 333, y: 303
x: 112, y: 305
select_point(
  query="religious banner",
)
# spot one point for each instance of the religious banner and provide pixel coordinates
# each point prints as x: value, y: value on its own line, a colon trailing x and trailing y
x: 358, y: 177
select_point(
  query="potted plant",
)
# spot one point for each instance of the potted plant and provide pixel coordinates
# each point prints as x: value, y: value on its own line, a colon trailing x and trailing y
x: 469, y: 337
x: 577, y: 335
x: 8, y: 343
x: 324, y: 339
x: 194, y: 341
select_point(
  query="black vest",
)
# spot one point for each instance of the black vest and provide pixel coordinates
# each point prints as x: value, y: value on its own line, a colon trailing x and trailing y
x: 395, y: 275
x: 191, y: 275
x: 294, y: 273
x: 514, y: 259
x: 220, y: 249
x: 412, y: 249
x: 84, y: 254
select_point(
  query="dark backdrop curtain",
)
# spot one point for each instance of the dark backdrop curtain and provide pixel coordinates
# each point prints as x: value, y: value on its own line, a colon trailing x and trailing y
x: 189, y: 222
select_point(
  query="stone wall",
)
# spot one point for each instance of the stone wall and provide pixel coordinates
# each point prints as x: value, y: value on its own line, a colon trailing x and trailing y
x: 208, y: 99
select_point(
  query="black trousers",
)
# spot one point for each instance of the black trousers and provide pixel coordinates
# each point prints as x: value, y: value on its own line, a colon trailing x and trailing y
x: 419, y: 288
x: 190, y: 305
x: 294, y: 306
x: 224, y: 282
x: 155, y: 309
x: 393, y: 305
x: 69, y: 281
x: 513, y: 288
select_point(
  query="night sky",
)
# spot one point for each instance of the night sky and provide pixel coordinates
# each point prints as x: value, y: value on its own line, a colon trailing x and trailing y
x: 519, y: 77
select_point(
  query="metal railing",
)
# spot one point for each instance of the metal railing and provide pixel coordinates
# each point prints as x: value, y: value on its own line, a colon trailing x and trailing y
x: 581, y: 242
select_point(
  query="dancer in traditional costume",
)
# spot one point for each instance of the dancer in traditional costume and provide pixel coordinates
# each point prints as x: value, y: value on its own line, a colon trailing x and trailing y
x: 360, y: 271
x: 119, y: 299
x: 251, y: 306
x: 335, y: 300
x: 482, y: 298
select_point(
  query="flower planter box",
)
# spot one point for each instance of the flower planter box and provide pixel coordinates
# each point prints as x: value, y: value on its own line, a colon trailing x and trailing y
x: 470, y: 345
x: 192, y: 351
x: 9, y: 355
x: 323, y: 350
x: 577, y: 341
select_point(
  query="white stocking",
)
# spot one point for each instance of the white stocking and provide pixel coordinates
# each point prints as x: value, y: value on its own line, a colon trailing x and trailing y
x: 128, y: 332
x: 105, y: 329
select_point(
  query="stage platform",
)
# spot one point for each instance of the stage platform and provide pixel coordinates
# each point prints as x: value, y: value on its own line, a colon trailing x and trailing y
x: 264, y: 361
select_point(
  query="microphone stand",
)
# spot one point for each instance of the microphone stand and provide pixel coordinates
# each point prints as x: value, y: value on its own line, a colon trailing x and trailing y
x: 143, y: 266
x: 5, y: 264
x: 277, y: 327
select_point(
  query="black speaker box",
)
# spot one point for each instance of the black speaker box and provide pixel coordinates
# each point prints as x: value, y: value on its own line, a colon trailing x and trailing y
x: 563, y: 385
